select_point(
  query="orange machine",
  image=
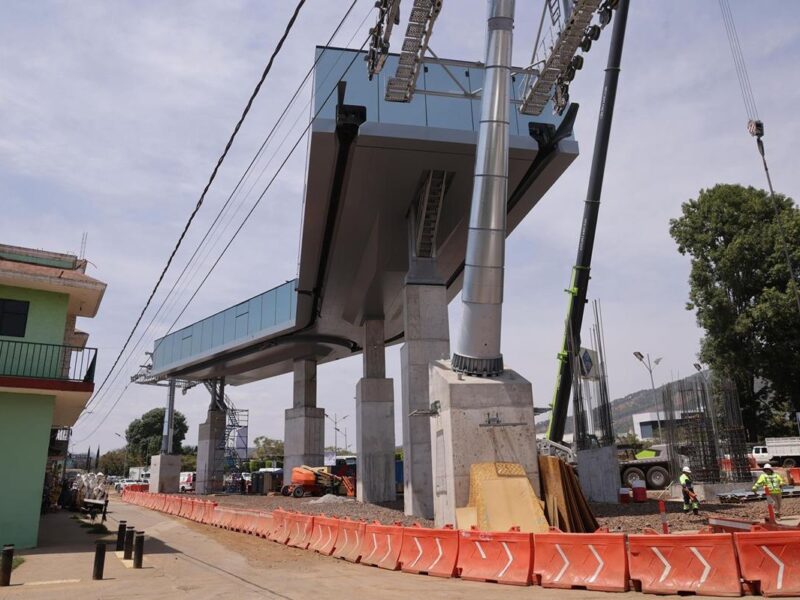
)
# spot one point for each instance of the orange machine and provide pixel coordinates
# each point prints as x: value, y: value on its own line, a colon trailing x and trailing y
x: 315, y: 481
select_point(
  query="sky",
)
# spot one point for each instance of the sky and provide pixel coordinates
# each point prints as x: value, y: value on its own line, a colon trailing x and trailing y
x: 113, y: 114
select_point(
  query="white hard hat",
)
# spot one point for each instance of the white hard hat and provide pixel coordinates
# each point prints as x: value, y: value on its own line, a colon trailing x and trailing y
x: 686, y: 470
x: 767, y: 466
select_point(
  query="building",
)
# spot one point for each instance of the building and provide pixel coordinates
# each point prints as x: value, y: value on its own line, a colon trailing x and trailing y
x: 46, y: 376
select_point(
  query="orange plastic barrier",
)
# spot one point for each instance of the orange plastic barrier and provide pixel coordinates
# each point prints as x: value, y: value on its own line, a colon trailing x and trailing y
x: 499, y: 557
x: 594, y: 561
x: 429, y: 551
x: 208, y: 512
x: 187, y: 506
x: 771, y: 560
x: 381, y: 546
x: 348, y: 540
x: 703, y: 563
x: 299, y: 528
x: 280, y: 526
x: 263, y: 525
x: 226, y: 518
x: 198, y: 508
x: 248, y: 522
x: 323, y: 535
x: 216, y: 516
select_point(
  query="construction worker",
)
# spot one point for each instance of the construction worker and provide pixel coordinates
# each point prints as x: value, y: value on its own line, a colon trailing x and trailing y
x: 772, y: 482
x: 687, y: 487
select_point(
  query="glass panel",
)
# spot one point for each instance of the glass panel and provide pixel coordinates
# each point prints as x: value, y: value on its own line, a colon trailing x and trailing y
x: 254, y: 311
x: 218, y: 328
x: 208, y: 334
x: 268, y: 309
x: 197, y: 338
x: 230, y: 326
x: 335, y: 65
x: 475, y: 83
x: 450, y: 113
x: 282, y: 310
x: 186, y: 345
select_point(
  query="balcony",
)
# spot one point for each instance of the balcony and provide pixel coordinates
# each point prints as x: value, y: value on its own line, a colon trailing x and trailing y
x: 47, y: 361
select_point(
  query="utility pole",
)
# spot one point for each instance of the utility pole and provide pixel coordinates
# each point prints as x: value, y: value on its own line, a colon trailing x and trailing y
x: 336, y: 420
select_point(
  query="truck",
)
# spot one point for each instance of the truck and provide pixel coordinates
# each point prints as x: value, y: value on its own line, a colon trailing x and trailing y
x: 782, y: 452
x: 651, y: 465
x: 139, y: 473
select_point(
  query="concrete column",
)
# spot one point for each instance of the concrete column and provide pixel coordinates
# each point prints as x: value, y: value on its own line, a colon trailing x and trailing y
x: 211, y: 453
x: 480, y: 420
x: 375, y: 420
x: 304, y: 425
x: 427, y: 335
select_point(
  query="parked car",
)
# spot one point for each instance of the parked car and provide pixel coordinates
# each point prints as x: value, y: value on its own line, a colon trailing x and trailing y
x: 121, y: 485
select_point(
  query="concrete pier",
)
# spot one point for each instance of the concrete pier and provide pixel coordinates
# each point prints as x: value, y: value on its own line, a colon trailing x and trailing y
x: 210, y: 453
x: 304, y: 425
x: 481, y: 419
x: 375, y: 420
x: 165, y: 473
x: 427, y: 335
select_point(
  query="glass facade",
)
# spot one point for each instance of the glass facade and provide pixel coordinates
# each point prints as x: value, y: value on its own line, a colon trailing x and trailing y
x: 270, y: 312
x: 424, y: 110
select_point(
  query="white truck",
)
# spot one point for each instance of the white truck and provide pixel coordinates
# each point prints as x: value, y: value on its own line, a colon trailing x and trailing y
x: 780, y: 452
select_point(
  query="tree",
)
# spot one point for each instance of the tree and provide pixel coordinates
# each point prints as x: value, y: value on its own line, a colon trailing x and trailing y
x: 144, y: 435
x: 268, y: 449
x: 189, y: 458
x: 114, y: 462
x: 741, y: 291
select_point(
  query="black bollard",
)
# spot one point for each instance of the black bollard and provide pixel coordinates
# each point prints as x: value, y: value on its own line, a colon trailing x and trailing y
x: 138, y: 550
x: 5, y: 565
x: 121, y: 536
x: 99, y: 560
x: 128, y: 549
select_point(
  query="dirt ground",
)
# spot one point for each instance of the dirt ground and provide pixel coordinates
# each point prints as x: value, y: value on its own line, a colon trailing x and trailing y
x: 629, y: 518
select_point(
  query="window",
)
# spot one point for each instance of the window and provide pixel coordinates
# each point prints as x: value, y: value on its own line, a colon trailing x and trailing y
x: 13, y: 317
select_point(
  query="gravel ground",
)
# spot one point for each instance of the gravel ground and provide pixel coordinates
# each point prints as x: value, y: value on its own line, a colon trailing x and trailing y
x: 340, y: 506
x: 630, y: 518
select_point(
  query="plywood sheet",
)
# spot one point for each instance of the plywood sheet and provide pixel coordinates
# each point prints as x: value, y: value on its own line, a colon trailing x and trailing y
x: 509, y: 502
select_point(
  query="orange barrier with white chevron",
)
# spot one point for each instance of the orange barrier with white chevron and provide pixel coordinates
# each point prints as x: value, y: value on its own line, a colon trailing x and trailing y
x: 771, y: 561
x: 703, y: 563
x: 429, y: 551
x: 299, y: 527
x: 348, y: 541
x: 323, y: 535
x: 381, y: 546
x: 594, y: 561
x: 500, y: 557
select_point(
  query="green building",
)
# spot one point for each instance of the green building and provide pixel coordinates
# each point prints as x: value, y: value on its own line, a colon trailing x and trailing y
x: 46, y: 377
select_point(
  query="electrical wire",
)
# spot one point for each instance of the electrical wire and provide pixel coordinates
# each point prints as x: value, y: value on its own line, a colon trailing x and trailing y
x: 738, y: 61
x: 98, y: 396
x: 213, y: 176
x: 238, y: 230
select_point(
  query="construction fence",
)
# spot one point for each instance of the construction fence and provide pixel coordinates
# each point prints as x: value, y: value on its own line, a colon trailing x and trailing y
x: 753, y: 560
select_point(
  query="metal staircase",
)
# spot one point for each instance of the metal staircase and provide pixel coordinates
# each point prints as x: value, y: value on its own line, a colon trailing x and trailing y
x: 429, y: 208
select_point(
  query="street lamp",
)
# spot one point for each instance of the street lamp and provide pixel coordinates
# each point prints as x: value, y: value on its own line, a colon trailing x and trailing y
x: 336, y: 420
x: 650, y: 366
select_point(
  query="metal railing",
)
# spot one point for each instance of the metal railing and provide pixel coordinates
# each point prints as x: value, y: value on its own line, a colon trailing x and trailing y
x: 47, y: 361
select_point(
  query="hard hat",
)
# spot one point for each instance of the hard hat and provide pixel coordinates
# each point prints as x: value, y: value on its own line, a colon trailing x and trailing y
x: 686, y: 470
x: 767, y: 466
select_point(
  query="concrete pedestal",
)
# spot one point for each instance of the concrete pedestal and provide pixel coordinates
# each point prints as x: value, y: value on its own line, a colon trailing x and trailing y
x: 480, y: 420
x: 375, y: 433
x: 427, y: 335
x: 211, y: 453
x: 304, y: 438
x: 165, y: 473
x: 598, y: 472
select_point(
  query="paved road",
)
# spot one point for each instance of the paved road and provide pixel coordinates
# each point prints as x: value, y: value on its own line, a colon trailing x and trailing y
x: 189, y: 560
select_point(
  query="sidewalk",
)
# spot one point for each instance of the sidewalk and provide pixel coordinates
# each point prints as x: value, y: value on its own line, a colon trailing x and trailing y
x: 189, y: 560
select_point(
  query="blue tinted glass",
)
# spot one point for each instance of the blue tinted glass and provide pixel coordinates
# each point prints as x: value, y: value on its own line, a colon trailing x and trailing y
x: 254, y: 314
x: 282, y: 310
x: 230, y: 326
x: 401, y: 113
x: 218, y: 328
x: 268, y: 309
x: 447, y: 112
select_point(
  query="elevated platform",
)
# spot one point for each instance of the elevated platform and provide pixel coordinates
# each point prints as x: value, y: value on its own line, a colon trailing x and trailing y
x: 354, y: 252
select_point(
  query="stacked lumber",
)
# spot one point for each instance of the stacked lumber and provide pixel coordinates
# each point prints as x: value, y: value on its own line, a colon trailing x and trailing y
x: 565, y: 505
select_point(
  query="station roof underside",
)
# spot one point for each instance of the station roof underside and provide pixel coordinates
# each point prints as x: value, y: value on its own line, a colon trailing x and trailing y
x: 354, y: 259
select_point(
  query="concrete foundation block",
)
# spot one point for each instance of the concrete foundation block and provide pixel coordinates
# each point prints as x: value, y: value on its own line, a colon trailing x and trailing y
x: 598, y: 472
x: 165, y: 474
x: 304, y: 438
x: 376, y: 445
x: 210, y: 453
x: 480, y: 420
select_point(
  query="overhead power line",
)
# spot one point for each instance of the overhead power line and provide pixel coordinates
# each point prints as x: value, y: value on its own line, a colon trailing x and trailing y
x: 97, y: 398
x: 213, y: 176
x: 238, y: 230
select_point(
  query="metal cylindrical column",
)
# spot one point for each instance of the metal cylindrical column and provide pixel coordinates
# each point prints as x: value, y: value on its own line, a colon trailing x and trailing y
x: 138, y: 550
x: 99, y: 560
x: 6, y: 563
x: 478, y: 348
x: 121, y: 536
x: 169, y: 414
x: 127, y: 550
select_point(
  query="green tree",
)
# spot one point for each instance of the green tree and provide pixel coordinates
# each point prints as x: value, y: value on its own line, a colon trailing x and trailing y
x: 189, y: 458
x: 144, y: 435
x: 114, y: 462
x: 268, y: 449
x: 741, y: 291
